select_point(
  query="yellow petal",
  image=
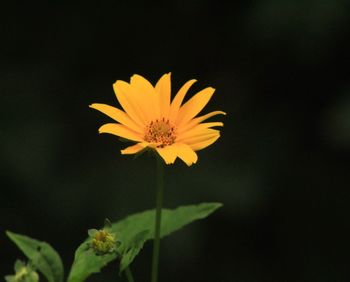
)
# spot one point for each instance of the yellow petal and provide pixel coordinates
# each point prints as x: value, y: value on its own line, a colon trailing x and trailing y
x: 117, y: 115
x: 120, y: 130
x: 199, y: 129
x: 186, y: 153
x: 198, y: 120
x: 143, y: 83
x: 134, y: 149
x: 203, y: 118
x: 177, y: 101
x: 163, y: 90
x: 146, y: 95
x: 168, y: 154
x: 203, y: 144
x: 201, y: 138
x: 128, y: 102
x: 193, y: 106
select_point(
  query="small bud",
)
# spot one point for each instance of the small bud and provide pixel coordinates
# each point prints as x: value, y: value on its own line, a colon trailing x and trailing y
x: 103, y: 242
x: 23, y: 273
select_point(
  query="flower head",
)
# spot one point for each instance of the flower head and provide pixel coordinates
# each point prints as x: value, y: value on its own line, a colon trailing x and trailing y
x: 24, y: 273
x: 152, y: 120
x: 102, y: 241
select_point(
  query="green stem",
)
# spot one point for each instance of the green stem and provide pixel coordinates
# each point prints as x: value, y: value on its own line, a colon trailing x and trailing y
x: 128, y: 275
x: 159, y: 203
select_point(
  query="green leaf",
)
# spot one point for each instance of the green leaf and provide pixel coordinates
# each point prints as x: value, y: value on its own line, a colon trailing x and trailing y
x: 133, y: 232
x: 87, y: 262
x: 136, y: 244
x: 42, y: 256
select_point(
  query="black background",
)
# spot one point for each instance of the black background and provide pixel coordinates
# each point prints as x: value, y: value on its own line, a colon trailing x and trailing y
x: 281, y: 167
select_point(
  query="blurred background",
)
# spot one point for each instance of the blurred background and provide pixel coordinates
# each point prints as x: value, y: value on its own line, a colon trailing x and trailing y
x: 281, y: 167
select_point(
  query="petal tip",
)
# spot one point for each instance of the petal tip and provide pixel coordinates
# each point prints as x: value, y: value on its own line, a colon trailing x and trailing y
x: 136, y: 76
x: 191, y: 163
x: 118, y: 82
x: 168, y: 162
x: 94, y: 106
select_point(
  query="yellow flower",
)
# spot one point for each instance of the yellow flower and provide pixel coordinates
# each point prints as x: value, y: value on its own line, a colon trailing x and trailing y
x: 152, y: 121
x: 103, y: 241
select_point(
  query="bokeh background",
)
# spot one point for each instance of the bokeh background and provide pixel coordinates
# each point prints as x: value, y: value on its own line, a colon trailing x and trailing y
x: 281, y: 167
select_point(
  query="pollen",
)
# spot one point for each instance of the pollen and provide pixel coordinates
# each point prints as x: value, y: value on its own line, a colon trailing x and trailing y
x: 160, y: 131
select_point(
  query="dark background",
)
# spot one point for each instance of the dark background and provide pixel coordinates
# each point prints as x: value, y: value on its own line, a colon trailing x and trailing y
x: 281, y: 167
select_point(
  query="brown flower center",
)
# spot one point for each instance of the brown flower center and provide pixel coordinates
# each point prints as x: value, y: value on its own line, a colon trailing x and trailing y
x: 160, y: 131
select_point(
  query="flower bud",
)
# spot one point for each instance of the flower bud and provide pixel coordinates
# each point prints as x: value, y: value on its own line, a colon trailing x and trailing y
x: 102, y: 241
x: 23, y: 273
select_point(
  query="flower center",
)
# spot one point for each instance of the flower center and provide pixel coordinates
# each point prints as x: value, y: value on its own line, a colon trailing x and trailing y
x: 103, y: 242
x: 160, y: 131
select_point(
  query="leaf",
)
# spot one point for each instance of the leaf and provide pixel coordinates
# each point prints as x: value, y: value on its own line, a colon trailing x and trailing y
x: 135, y: 247
x: 133, y: 232
x: 86, y: 262
x: 172, y: 220
x: 42, y: 256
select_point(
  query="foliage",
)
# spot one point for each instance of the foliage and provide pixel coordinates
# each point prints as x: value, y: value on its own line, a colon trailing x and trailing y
x: 42, y: 256
x: 133, y: 232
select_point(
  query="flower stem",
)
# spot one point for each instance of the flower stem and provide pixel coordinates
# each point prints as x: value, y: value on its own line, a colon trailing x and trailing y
x: 128, y: 275
x: 159, y: 203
